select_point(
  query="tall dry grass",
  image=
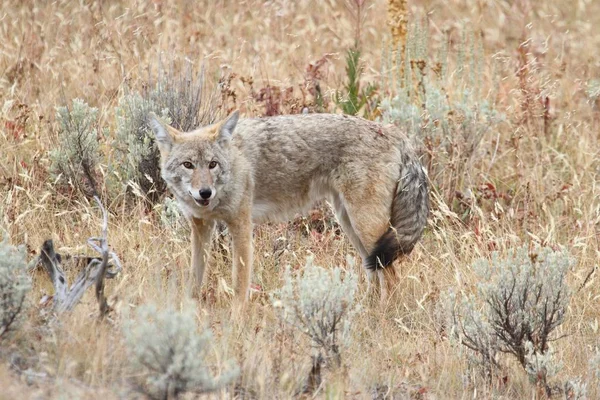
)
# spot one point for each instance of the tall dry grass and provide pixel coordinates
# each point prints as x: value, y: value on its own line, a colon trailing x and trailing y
x: 537, y: 180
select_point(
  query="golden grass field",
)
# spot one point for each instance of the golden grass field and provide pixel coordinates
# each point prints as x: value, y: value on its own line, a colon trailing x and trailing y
x: 536, y: 181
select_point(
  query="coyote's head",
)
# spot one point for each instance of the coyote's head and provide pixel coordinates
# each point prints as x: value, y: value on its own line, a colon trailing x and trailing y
x: 195, y: 165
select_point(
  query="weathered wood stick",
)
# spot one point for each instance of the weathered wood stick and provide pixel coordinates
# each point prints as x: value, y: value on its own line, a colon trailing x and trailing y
x: 97, y: 269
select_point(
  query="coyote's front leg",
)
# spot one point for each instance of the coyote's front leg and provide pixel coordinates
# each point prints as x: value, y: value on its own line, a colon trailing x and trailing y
x: 200, y: 238
x: 241, y: 233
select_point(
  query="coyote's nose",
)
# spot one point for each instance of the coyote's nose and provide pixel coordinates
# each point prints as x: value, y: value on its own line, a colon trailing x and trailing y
x: 205, y: 193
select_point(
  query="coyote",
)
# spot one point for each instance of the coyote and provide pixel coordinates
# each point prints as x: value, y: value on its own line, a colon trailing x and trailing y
x: 268, y: 169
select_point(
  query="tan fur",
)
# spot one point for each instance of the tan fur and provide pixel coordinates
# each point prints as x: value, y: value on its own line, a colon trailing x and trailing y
x: 268, y: 169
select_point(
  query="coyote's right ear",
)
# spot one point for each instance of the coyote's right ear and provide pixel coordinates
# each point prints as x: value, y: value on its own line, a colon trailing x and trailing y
x: 164, y: 134
x: 226, y: 127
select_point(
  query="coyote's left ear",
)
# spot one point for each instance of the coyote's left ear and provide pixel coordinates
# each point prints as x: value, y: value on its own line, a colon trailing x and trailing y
x: 226, y: 127
x: 164, y: 134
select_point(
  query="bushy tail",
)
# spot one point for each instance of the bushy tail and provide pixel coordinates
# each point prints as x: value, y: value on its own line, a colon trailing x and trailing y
x: 410, y: 209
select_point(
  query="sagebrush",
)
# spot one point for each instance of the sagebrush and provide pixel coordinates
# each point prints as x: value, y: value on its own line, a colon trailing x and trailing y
x: 445, y: 114
x: 521, y: 300
x: 171, y: 354
x: 14, y: 286
x: 75, y: 160
x: 320, y: 304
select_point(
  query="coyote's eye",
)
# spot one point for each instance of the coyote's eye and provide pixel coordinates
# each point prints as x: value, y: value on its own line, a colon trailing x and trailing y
x: 188, y: 165
x: 212, y: 164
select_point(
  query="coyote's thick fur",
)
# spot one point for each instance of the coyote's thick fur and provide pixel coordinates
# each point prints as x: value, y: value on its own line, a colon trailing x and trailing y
x: 265, y: 169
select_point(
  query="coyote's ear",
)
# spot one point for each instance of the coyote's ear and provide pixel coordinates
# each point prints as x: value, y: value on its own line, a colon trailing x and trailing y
x: 226, y: 127
x: 164, y: 134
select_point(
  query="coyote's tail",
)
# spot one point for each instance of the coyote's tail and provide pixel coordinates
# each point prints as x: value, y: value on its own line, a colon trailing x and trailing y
x: 410, y: 209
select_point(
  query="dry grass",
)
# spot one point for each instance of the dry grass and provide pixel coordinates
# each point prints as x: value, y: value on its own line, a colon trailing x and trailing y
x: 544, y: 157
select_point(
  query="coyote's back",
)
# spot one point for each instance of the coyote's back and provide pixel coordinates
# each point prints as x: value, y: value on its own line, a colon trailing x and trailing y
x: 355, y: 163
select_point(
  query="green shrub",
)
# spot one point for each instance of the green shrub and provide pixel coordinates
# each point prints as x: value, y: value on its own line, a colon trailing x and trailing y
x: 594, y: 366
x: 445, y: 114
x: 575, y: 389
x: 75, y: 160
x: 172, y: 219
x: 320, y: 304
x: 171, y: 354
x: 354, y: 98
x: 521, y: 299
x: 14, y: 286
x: 593, y: 89
x: 136, y: 161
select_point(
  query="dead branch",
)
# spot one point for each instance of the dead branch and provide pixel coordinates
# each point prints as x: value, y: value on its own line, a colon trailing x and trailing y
x: 106, y: 266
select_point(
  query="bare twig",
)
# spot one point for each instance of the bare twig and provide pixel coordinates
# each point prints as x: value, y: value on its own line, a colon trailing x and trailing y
x: 588, y: 277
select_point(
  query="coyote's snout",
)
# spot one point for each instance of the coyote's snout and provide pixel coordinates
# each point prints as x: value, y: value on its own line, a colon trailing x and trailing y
x: 266, y: 169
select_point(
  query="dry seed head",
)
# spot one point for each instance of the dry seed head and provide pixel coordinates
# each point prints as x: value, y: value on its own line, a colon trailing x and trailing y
x: 420, y: 64
x: 397, y: 20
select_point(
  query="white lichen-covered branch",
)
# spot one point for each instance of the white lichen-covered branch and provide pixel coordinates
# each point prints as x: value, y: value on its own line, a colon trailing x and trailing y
x: 107, y: 265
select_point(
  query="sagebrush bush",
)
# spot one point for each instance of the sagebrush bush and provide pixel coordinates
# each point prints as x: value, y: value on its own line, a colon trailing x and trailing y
x: 171, y: 217
x: 593, y: 90
x: 521, y: 299
x: 445, y: 114
x: 594, y: 366
x: 166, y: 346
x: 320, y: 303
x: 76, y: 157
x: 575, y: 389
x: 136, y: 161
x: 14, y: 286
x: 179, y: 99
x: 540, y: 366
